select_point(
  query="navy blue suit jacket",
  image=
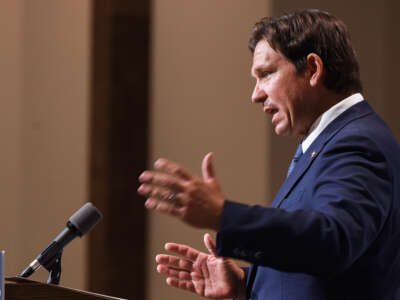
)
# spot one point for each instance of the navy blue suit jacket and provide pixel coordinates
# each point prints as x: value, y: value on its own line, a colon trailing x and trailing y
x: 333, y: 230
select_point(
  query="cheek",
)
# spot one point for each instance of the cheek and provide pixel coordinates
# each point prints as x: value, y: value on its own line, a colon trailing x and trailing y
x: 291, y: 95
x: 279, y: 89
x: 282, y: 98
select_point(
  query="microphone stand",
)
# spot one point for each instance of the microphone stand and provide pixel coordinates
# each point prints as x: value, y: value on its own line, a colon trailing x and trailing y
x: 54, y: 268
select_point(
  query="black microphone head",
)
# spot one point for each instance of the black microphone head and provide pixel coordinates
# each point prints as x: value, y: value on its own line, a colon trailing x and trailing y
x: 85, y: 218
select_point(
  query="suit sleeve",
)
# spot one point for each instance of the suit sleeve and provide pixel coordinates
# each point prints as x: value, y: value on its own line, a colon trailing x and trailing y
x: 351, y: 197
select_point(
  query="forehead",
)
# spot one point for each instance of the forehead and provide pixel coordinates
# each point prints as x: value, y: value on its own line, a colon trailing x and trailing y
x: 264, y: 55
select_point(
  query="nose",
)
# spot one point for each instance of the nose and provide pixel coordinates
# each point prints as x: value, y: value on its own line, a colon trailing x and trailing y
x: 258, y: 95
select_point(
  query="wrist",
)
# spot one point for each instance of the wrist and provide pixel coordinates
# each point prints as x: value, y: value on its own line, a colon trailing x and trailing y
x: 216, y: 224
x: 240, y: 293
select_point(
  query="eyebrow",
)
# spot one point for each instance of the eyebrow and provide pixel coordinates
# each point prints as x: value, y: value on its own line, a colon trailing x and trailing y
x: 259, y: 69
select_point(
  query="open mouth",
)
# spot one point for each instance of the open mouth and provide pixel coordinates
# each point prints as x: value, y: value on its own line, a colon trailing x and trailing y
x: 274, y: 112
x: 270, y: 110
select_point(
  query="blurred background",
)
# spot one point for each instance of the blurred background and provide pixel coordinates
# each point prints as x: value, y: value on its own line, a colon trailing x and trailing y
x: 92, y: 92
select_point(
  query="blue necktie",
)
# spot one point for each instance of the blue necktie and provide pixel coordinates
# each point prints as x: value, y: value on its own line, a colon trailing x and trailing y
x: 296, y: 157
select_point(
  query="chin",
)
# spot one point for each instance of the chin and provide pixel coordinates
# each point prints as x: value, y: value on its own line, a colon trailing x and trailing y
x: 282, y: 131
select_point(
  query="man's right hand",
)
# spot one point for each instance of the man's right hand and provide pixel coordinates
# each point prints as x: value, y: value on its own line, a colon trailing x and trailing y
x: 205, y: 274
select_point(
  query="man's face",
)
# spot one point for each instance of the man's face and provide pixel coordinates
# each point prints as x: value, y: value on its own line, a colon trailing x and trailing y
x: 284, y: 93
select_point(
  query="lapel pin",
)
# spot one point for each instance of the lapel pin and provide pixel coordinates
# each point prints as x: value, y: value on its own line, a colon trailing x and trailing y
x: 313, y: 154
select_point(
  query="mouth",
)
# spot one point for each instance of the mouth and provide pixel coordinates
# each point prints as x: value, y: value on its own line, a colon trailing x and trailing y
x: 272, y: 111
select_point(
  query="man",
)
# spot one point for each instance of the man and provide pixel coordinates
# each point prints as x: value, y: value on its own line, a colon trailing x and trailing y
x: 333, y: 229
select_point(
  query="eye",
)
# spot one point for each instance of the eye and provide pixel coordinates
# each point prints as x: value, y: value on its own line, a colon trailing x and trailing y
x: 265, y: 74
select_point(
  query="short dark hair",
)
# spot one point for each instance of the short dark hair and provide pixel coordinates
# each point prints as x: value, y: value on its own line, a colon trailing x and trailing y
x: 300, y: 33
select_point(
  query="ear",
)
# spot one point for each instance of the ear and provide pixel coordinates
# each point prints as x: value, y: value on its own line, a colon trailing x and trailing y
x: 315, y: 69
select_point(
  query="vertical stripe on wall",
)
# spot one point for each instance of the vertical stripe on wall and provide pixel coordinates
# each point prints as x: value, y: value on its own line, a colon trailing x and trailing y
x: 119, y: 106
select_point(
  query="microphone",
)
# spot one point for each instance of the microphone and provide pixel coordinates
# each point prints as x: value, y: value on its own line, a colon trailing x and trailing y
x: 80, y: 223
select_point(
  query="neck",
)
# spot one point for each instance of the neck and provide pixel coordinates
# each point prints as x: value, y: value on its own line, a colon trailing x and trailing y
x: 330, y: 99
x: 325, y: 101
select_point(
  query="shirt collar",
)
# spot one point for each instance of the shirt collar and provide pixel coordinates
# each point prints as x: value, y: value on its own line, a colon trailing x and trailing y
x: 327, y: 117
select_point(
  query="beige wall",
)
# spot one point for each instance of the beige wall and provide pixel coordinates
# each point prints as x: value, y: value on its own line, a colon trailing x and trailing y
x: 201, y: 90
x: 10, y: 132
x: 44, y: 128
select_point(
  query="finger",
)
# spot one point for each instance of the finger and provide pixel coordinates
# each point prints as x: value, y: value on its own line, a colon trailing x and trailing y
x: 172, y: 168
x: 156, y: 204
x: 196, y: 276
x: 171, y: 272
x: 163, y: 180
x: 181, y: 284
x: 151, y: 203
x: 207, y: 167
x: 175, y: 262
x: 204, y: 270
x: 155, y: 192
x: 164, y: 207
x: 210, y: 244
x: 183, y: 250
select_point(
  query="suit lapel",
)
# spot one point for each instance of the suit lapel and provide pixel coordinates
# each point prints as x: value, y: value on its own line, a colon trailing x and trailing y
x: 354, y: 112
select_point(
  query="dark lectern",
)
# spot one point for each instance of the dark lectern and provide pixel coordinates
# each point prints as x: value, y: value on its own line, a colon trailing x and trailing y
x: 18, y: 288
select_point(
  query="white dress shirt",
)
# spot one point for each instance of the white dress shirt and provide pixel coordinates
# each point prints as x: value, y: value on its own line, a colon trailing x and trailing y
x: 327, y: 117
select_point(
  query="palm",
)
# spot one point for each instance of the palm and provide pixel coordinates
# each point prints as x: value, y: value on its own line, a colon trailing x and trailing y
x: 204, y: 274
x: 214, y: 277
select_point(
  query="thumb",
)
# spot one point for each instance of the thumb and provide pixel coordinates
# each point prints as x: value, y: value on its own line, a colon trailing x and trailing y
x: 210, y: 244
x: 207, y: 167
